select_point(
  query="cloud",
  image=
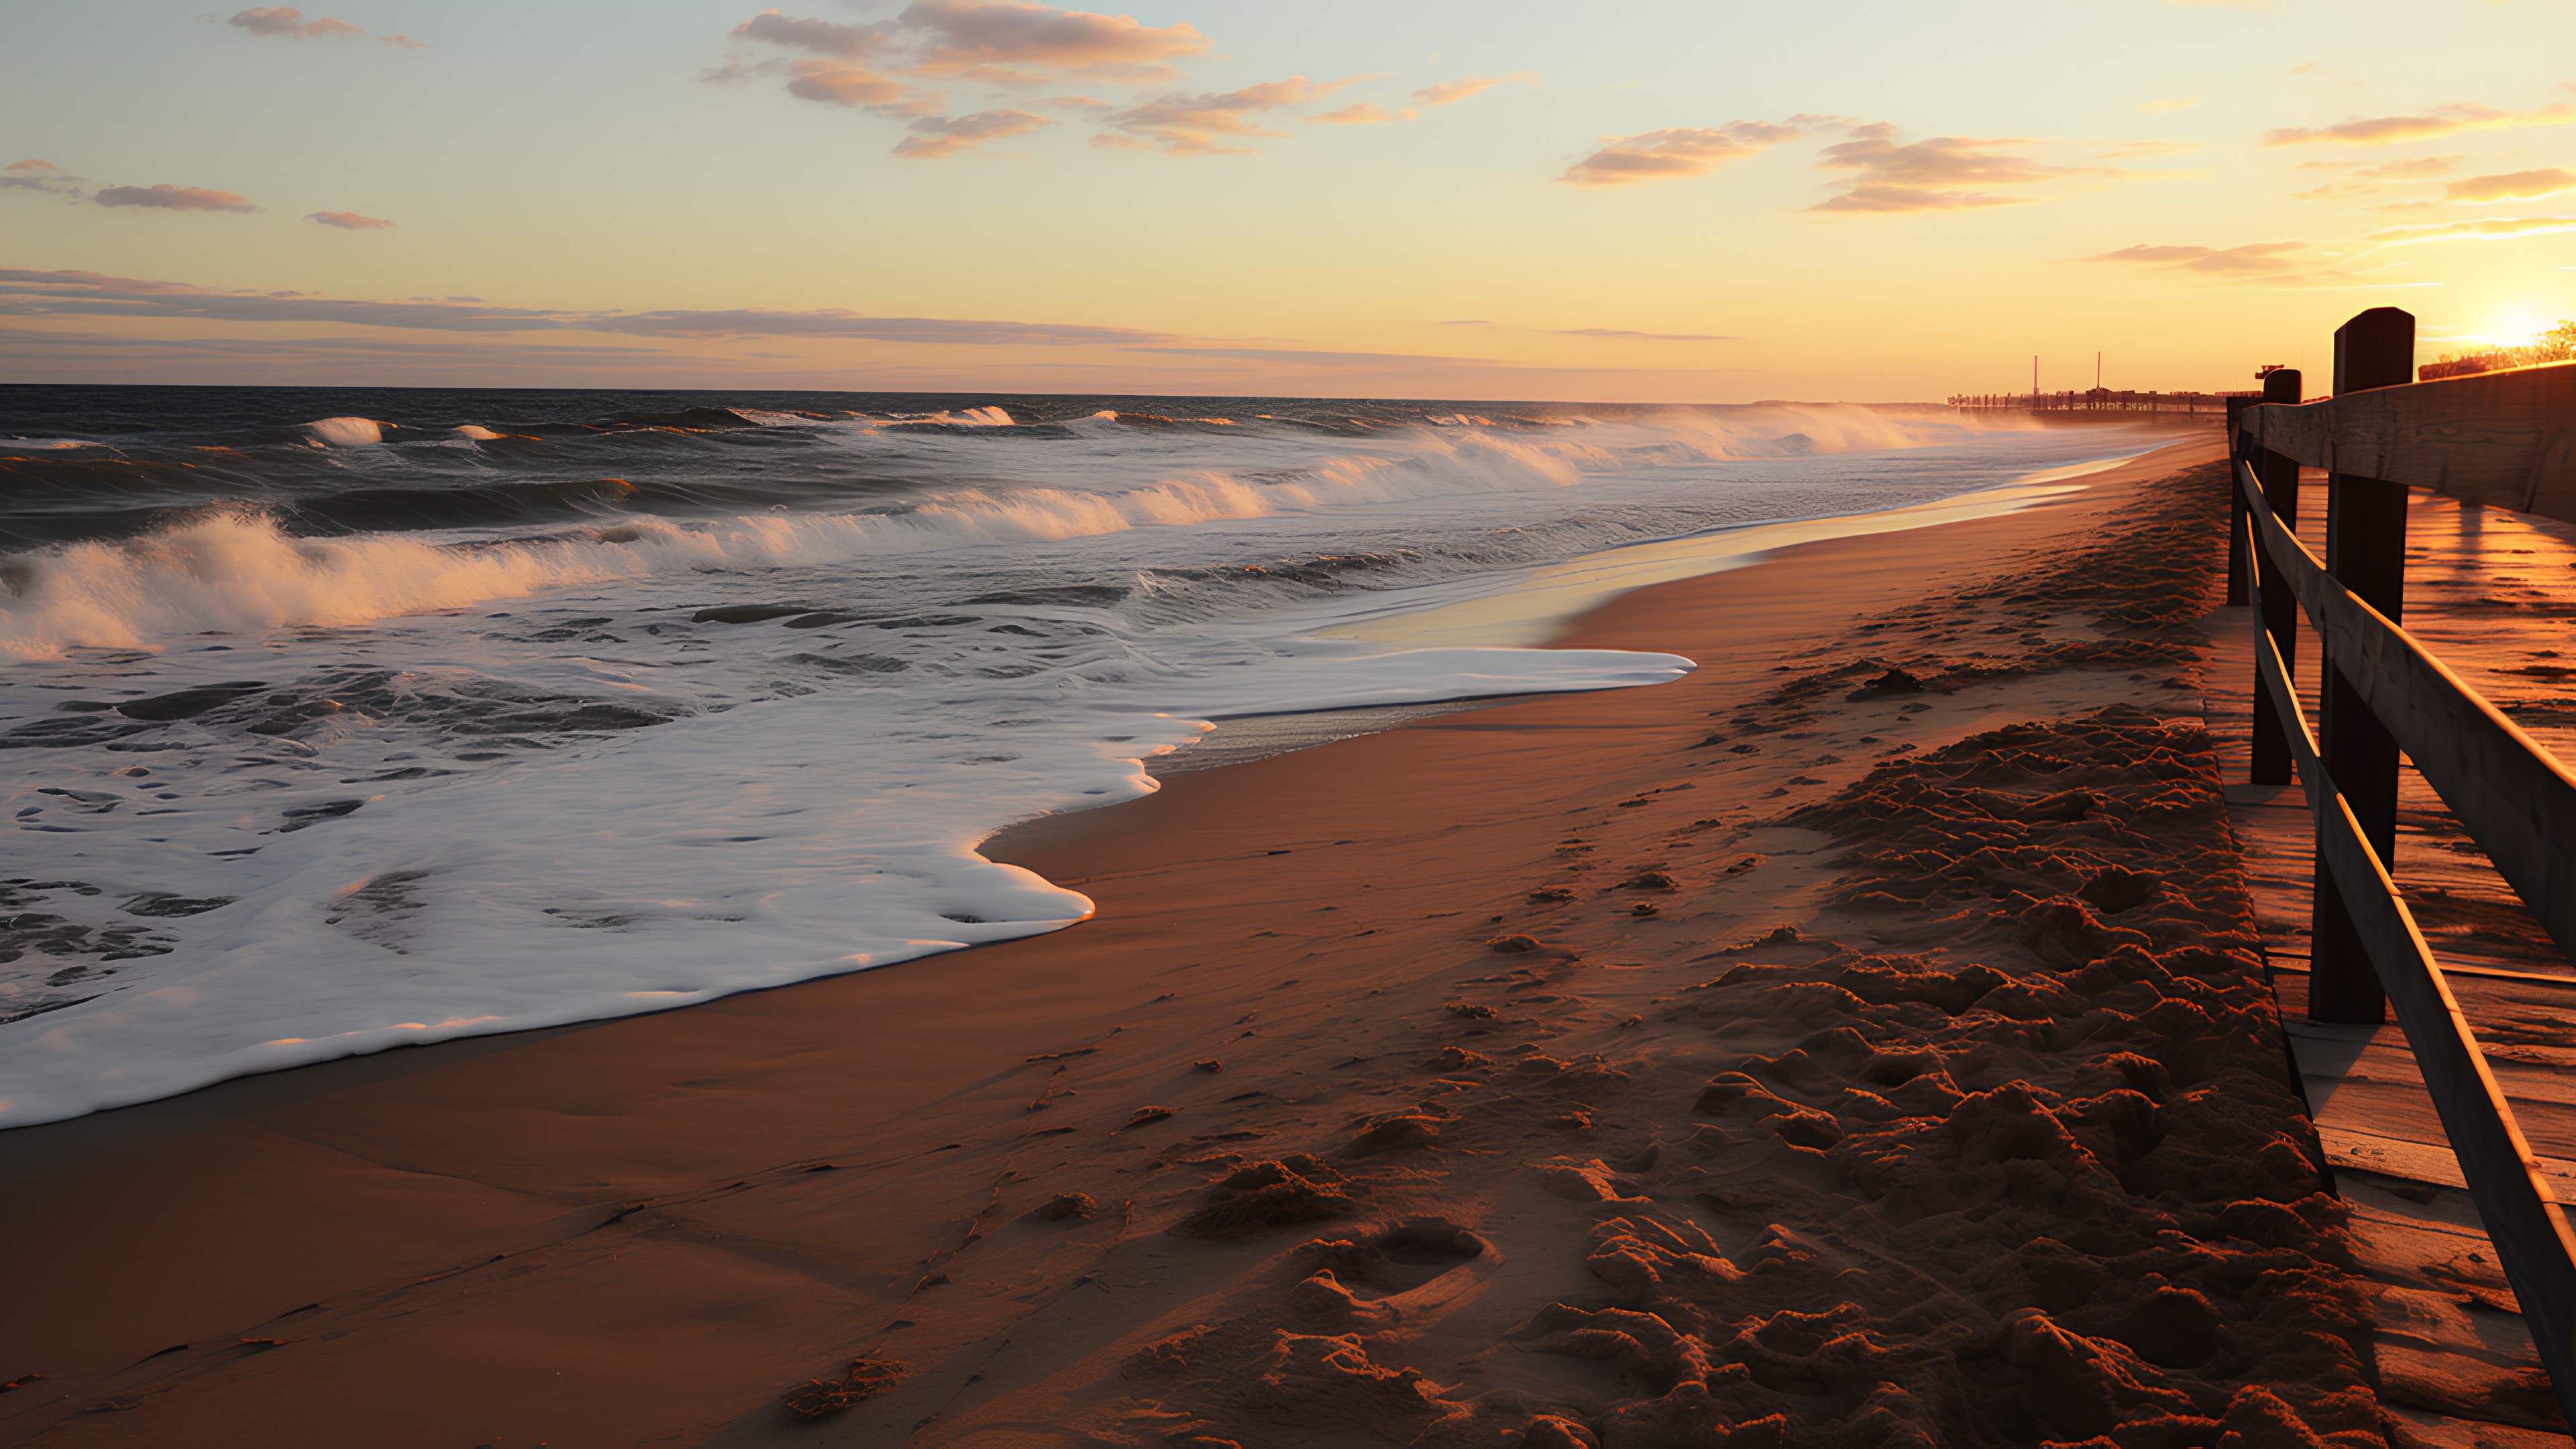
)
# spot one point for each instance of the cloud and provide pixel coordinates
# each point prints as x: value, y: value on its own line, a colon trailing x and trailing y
x: 2413, y: 168
x: 1186, y: 125
x: 1361, y: 113
x: 2267, y: 264
x: 1944, y: 173
x: 936, y: 138
x: 819, y: 37
x: 2512, y: 186
x: 2363, y: 180
x: 403, y: 42
x: 91, y: 327
x: 2489, y: 229
x: 25, y: 293
x: 1673, y: 153
x: 2439, y: 121
x: 349, y: 220
x: 961, y: 34
x: 289, y: 22
x: 1450, y: 93
x: 838, y: 83
x: 832, y: 322
x: 173, y: 198
x: 23, y: 345
x: 985, y: 39
x: 2404, y: 168
x: 2290, y: 263
x: 2259, y: 259
x: 35, y: 175
x: 866, y: 66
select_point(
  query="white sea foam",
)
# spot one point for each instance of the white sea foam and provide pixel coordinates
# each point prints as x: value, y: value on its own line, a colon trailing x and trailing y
x: 347, y: 432
x: 717, y: 854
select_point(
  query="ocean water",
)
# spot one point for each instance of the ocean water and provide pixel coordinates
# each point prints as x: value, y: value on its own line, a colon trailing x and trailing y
x: 332, y: 720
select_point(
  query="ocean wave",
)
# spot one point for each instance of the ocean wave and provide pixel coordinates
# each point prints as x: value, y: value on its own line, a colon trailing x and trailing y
x: 256, y: 566
x: 239, y: 570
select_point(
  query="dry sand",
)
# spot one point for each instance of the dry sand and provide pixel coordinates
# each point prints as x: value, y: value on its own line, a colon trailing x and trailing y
x: 1798, y: 1054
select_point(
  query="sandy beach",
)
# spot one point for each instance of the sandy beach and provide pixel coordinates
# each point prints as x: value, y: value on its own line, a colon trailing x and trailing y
x: 1859, y: 1042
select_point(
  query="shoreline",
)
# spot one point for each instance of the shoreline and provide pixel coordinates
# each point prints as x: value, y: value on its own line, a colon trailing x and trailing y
x: 670, y: 1256
x: 205, y: 1016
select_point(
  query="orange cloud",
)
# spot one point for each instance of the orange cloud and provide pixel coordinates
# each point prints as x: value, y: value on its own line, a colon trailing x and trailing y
x: 1674, y: 153
x: 936, y: 138
x: 2512, y: 186
x: 1192, y: 125
x: 1944, y: 173
x: 838, y: 83
x: 2440, y: 121
x: 1449, y: 93
x: 2489, y: 229
x: 2259, y: 259
x: 173, y: 198
x: 349, y: 221
x: 960, y: 34
x: 289, y: 22
x: 1360, y: 113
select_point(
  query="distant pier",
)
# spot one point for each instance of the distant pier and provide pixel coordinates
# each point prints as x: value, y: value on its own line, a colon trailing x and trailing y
x: 2103, y: 403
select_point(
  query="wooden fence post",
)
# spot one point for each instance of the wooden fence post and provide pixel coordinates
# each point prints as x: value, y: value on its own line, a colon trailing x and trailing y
x: 2280, y: 479
x: 2366, y: 552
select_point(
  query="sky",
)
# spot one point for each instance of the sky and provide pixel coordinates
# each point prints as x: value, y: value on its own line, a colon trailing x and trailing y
x: 1863, y: 200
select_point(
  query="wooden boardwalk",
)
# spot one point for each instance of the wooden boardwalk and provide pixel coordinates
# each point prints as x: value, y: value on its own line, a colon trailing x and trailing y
x: 2494, y: 595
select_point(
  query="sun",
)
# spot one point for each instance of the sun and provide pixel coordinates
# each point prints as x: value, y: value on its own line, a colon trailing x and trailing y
x: 2516, y: 327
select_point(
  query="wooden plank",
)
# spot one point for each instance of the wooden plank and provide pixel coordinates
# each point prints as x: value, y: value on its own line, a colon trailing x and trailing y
x: 2517, y: 800
x: 2503, y: 1175
x: 2419, y: 1161
x: 2417, y: 1241
x: 2504, y: 439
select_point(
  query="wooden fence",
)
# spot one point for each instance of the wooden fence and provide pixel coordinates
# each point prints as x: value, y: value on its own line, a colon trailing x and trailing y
x: 2499, y: 439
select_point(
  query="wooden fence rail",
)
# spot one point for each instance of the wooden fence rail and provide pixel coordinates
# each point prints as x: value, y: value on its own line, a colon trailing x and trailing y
x: 2502, y: 439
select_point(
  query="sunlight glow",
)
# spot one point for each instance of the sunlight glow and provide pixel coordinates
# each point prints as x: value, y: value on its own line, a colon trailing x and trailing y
x: 2516, y: 326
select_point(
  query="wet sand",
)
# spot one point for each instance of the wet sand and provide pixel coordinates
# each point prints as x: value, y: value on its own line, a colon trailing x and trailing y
x: 1287, y: 1027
